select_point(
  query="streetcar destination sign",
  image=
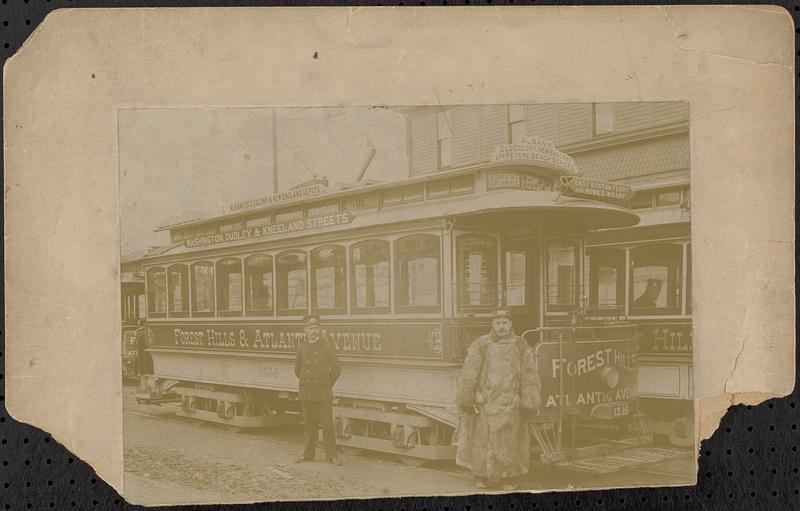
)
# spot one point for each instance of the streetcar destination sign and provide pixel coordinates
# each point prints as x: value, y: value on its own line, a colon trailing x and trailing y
x: 580, y: 187
x: 261, y: 232
x: 536, y: 151
x: 299, y: 193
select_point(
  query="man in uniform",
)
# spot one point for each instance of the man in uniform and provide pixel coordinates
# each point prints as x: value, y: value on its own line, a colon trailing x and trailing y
x: 497, y: 389
x: 650, y: 295
x: 317, y: 369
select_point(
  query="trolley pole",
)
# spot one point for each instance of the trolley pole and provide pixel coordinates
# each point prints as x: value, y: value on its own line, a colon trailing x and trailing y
x: 274, y: 150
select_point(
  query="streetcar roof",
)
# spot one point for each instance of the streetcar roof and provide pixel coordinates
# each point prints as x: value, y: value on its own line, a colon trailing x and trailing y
x: 587, y: 213
x: 369, y: 186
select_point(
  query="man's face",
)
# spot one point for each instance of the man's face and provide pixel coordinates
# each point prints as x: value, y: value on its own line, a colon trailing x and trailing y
x: 312, y: 331
x: 654, y: 288
x: 501, y: 326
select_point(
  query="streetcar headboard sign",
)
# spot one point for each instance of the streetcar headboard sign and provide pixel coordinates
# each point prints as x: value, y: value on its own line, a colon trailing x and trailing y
x: 589, y: 378
x: 581, y: 187
x: 299, y: 193
x: 266, y: 231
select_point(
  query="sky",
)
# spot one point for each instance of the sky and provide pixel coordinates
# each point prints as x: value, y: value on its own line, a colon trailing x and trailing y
x: 177, y: 162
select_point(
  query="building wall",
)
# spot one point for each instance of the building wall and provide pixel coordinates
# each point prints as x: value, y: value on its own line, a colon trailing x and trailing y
x: 595, y: 135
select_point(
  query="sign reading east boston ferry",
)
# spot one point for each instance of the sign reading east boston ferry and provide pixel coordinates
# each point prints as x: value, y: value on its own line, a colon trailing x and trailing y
x: 278, y: 228
x: 580, y: 187
x: 535, y: 151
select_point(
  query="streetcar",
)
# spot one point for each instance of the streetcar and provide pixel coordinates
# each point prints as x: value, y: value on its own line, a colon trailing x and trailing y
x: 404, y: 275
x: 132, y: 303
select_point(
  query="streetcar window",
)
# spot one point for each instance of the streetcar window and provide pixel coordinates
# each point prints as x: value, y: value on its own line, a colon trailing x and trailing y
x: 477, y: 270
x: 157, y: 291
x: 203, y: 289
x: 418, y: 273
x: 328, y: 284
x: 515, y: 277
x: 689, y: 278
x: 606, y: 277
x: 141, y: 306
x: 178, y: 286
x: 669, y: 197
x: 258, y: 285
x: 229, y: 287
x: 369, y: 276
x: 642, y: 199
x: 656, y: 279
x: 437, y: 189
x: 561, y: 274
x: 234, y: 226
x: 292, y: 283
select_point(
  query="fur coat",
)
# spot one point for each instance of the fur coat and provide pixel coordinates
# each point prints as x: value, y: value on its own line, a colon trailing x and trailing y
x: 500, y: 378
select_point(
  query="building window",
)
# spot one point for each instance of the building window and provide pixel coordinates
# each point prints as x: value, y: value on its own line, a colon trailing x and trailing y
x: 444, y: 140
x: 203, y: 289
x: 603, y: 118
x: 517, y: 129
x: 656, y: 279
x: 229, y: 287
x: 258, y: 285
x: 418, y: 273
x: 369, y: 276
x: 515, y: 277
x: 561, y: 275
x: 157, y: 292
x: 292, y: 283
x: 328, y: 280
x: 477, y: 271
x: 606, y: 278
x: 178, y: 283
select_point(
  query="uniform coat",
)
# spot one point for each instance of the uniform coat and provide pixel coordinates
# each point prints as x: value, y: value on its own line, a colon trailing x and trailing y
x: 317, y: 369
x: 500, y: 378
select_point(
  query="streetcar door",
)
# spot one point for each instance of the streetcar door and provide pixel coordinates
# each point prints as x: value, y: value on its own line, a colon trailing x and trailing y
x: 521, y: 283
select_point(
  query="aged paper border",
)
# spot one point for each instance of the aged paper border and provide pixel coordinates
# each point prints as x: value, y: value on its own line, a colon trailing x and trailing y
x: 734, y: 64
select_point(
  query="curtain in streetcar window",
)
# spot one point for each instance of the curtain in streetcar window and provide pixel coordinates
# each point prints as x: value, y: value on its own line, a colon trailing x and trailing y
x: 329, y: 287
x: 203, y: 289
x: 369, y: 276
x: 157, y: 291
x: 656, y: 279
x: 178, y: 285
x: 292, y: 283
x: 418, y: 273
x: 606, y: 277
x: 477, y: 270
x: 561, y: 284
x: 258, y: 284
x: 515, y: 278
x: 229, y: 286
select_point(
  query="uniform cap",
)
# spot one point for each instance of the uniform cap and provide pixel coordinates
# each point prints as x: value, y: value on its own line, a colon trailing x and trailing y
x: 501, y: 313
x: 311, y: 319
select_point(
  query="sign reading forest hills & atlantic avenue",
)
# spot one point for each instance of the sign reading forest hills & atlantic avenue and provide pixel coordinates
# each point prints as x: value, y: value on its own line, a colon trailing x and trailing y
x: 285, y: 227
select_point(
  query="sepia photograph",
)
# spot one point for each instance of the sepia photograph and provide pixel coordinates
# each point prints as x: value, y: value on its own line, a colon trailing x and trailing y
x: 355, y: 302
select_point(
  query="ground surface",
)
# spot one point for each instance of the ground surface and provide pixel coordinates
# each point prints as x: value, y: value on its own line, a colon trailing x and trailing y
x: 171, y: 460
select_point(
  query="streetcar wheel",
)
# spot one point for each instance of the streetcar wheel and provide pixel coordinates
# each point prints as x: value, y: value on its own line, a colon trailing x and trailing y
x: 349, y: 451
x: 411, y: 461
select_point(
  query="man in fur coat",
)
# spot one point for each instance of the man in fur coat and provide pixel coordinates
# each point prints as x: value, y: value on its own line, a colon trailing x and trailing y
x: 497, y: 389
